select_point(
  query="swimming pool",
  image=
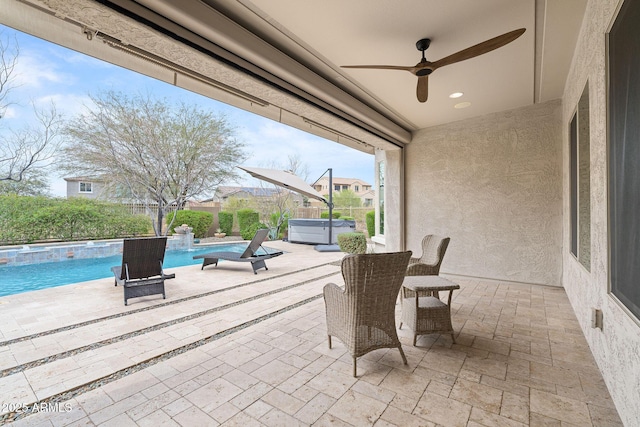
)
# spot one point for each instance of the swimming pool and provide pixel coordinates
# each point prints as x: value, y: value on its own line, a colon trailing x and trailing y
x: 25, y: 278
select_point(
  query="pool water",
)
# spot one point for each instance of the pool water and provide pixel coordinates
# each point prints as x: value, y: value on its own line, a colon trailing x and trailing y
x: 25, y: 278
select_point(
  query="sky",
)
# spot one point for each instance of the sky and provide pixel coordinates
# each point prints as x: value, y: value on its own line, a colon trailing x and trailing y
x: 47, y: 72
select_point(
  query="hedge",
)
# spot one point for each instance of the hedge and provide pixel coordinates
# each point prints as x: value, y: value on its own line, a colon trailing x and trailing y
x: 225, y: 221
x: 250, y: 231
x: 371, y: 223
x: 353, y: 243
x: 246, y: 217
x: 200, y: 221
x: 27, y: 219
x: 335, y: 214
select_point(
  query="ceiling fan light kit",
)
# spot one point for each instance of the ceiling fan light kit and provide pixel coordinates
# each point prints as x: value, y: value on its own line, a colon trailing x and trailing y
x: 424, y: 68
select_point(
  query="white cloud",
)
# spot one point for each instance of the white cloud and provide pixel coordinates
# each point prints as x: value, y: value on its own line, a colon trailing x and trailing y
x: 269, y: 142
x: 9, y: 113
x: 33, y: 71
x: 67, y: 104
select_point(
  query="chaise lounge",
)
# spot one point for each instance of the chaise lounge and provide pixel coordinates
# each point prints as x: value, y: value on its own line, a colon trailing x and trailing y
x: 141, y: 271
x: 249, y: 254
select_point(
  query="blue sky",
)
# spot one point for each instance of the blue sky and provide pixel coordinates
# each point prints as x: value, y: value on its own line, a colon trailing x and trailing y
x: 47, y: 72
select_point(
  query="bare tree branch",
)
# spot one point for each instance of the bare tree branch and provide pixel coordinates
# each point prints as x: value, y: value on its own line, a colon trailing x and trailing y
x: 154, y: 152
x: 9, y: 52
x: 32, y: 148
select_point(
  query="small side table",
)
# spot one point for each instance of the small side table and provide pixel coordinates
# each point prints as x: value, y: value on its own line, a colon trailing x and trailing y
x: 422, y: 309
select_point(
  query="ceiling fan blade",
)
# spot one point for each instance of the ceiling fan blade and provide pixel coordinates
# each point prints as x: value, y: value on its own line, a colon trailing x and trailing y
x: 479, y: 49
x: 380, y: 67
x: 423, y: 88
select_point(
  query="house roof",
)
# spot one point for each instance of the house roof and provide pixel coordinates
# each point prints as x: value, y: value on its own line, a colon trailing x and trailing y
x: 345, y: 180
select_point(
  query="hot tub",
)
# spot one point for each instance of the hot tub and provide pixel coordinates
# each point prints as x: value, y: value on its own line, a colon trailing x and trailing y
x: 316, y: 231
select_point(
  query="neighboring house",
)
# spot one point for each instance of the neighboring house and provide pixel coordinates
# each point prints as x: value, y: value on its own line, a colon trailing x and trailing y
x: 83, y: 186
x: 358, y: 186
x: 368, y: 198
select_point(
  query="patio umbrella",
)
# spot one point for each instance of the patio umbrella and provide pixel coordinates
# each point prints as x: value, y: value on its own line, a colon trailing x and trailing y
x: 295, y: 183
x: 285, y: 179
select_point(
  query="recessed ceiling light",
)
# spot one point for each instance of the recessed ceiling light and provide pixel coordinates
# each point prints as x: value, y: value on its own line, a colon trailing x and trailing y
x: 462, y: 105
x: 456, y: 95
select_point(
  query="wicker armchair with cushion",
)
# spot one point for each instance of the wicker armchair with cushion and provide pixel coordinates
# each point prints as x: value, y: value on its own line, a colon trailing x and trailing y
x: 362, y: 314
x: 428, y: 264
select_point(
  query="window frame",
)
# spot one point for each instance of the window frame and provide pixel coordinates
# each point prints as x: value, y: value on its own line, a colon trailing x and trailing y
x: 623, y: 98
x: 85, y: 183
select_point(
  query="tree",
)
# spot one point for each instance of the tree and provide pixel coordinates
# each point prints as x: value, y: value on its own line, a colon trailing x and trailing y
x: 26, y: 152
x: 9, y: 52
x: 346, y: 199
x: 151, y: 151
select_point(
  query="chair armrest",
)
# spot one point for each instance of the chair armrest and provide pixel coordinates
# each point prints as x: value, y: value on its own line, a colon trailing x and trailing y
x: 335, y: 301
x: 414, y: 260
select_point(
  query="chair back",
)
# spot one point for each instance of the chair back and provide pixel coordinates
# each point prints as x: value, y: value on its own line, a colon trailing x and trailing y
x: 433, y: 249
x: 255, y: 243
x: 143, y: 257
x: 373, y: 281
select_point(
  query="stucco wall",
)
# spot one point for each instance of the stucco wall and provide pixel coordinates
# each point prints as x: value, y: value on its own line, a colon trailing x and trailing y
x: 616, y: 348
x: 494, y: 185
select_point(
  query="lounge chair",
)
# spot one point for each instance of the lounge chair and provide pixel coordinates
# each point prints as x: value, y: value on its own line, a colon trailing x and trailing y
x: 141, y: 271
x: 249, y: 254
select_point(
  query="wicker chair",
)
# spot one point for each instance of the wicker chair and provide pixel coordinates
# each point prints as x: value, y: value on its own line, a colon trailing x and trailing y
x: 428, y: 264
x: 362, y: 314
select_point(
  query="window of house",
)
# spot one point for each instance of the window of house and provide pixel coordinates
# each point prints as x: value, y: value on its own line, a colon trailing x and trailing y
x: 86, y: 187
x: 580, y: 170
x: 624, y: 156
x: 356, y: 188
x: 336, y: 187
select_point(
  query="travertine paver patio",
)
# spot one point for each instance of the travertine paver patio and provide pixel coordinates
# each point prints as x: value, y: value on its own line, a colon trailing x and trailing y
x: 228, y: 347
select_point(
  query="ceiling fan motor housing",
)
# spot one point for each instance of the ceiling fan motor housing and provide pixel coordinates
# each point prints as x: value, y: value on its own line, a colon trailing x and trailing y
x: 423, y: 44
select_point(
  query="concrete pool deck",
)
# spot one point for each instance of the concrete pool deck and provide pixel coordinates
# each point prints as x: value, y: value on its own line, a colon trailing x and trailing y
x: 228, y: 347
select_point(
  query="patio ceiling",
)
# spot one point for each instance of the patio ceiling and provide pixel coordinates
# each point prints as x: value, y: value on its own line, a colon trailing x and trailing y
x: 324, y: 35
x: 287, y: 51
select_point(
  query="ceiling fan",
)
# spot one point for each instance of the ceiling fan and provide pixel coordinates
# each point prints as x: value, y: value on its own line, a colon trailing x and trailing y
x: 423, y: 68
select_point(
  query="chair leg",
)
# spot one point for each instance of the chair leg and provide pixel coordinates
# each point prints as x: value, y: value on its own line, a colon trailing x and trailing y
x: 453, y: 338
x: 404, y: 358
x: 355, y: 369
x: 329, y: 340
x: 415, y: 337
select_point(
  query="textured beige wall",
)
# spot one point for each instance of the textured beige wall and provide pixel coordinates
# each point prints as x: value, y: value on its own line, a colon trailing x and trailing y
x: 494, y: 185
x: 616, y: 348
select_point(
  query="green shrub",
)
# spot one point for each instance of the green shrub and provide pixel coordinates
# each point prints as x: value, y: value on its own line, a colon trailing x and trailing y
x: 225, y: 221
x: 246, y: 217
x: 348, y: 218
x: 250, y: 231
x: 371, y: 223
x: 274, y: 218
x: 200, y: 221
x: 353, y: 243
x: 335, y: 214
x: 26, y: 219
